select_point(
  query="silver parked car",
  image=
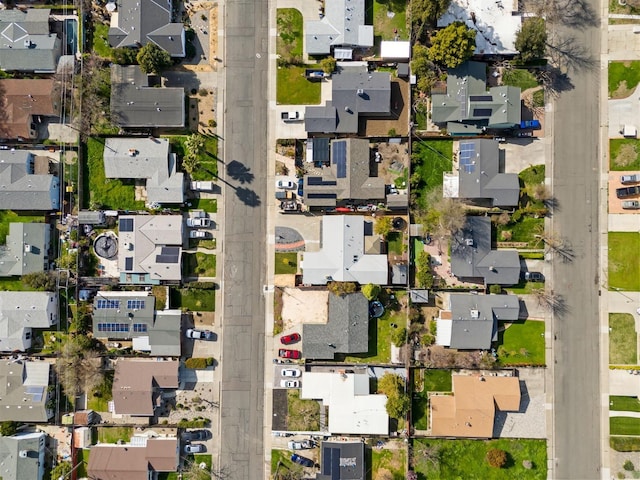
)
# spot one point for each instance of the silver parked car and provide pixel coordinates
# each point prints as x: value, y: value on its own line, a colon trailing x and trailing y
x: 631, y: 204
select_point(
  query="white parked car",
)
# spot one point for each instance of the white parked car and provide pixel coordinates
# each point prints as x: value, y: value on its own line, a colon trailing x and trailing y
x: 198, y: 222
x: 291, y: 372
x: 292, y: 445
x: 289, y: 383
x: 286, y: 185
x: 199, y: 334
x: 198, y: 234
x: 202, y: 186
x: 194, y: 448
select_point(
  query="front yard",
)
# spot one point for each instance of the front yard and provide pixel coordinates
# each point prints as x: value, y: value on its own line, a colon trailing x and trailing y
x: 466, y: 459
x: 198, y: 265
x: 293, y: 88
x: 623, y: 78
x: 282, y: 465
x: 522, y: 344
x: 626, y: 404
x: 521, y: 78
x: 623, y: 339
x: 286, y: 263
x: 290, y: 29
x: 193, y: 299
x: 624, y: 154
x: 302, y: 415
x: 624, y: 261
x: 207, y: 159
x: 624, y: 426
x: 430, y: 160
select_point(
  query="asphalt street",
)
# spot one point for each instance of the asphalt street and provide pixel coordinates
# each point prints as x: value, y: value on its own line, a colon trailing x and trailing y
x: 575, y: 279
x: 242, y: 174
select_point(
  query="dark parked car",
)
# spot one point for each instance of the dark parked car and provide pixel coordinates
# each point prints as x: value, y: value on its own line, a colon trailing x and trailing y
x: 300, y: 187
x: 625, y: 192
x: 304, y: 461
x: 533, y: 277
x: 195, y: 435
x: 284, y: 353
x: 289, y: 339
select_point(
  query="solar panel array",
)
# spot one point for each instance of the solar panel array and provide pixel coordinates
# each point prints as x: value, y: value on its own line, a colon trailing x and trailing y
x: 128, y: 263
x: 104, y: 303
x: 480, y: 98
x: 168, y: 255
x: 482, y: 112
x: 126, y: 224
x: 339, y: 158
x: 319, y: 181
x: 331, y: 462
x: 140, y: 327
x: 36, y: 392
x: 131, y: 304
x: 467, y: 156
x: 113, y: 327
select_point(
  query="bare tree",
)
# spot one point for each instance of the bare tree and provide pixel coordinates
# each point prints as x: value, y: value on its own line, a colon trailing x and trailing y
x: 79, y: 367
x: 425, y: 452
x: 444, y: 217
x: 541, y: 192
x: 549, y: 300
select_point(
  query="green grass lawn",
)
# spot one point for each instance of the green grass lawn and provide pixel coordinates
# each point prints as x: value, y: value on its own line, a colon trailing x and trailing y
x: 625, y: 444
x: 193, y: 299
x: 282, y: 459
x: 83, y: 460
x: 521, y: 78
x: 208, y: 243
x: 426, y: 381
x: 624, y: 154
x: 624, y: 261
x: 430, y: 159
x: 113, y: 434
x: 466, y: 459
x: 623, y: 339
x: 624, y: 426
x: 292, y: 87
x: 209, y: 205
x: 203, y: 458
x: 101, y: 397
x: 208, y: 158
x: 627, y: 404
x: 523, y: 288
x: 623, y: 78
x: 101, y: 40
x: 538, y: 98
x: 523, y: 344
x: 393, y: 461
x: 7, y: 217
x: 395, y: 243
x: 198, y: 264
x: 302, y: 414
x: 384, y: 24
x: 13, y: 284
x: 523, y: 231
x: 532, y: 175
x: 286, y: 263
x: 106, y: 193
x: 289, y: 39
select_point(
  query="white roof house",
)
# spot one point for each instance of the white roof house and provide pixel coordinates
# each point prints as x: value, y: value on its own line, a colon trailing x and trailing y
x: 399, y: 50
x: 20, y: 312
x: 352, y: 409
x: 342, y: 257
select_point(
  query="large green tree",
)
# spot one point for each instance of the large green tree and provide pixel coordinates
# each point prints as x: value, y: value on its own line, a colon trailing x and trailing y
x: 153, y: 59
x: 425, y: 13
x: 531, y: 39
x: 423, y: 68
x: 398, y: 402
x: 453, y: 45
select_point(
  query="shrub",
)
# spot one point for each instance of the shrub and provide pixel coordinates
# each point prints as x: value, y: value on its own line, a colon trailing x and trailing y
x: 517, y: 215
x: 495, y: 289
x: 399, y: 337
x: 371, y: 291
x: 506, y: 235
x: 628, y: 466
x: 198, y: 363
x: 497, y: 458
x: 341, y: 288
x: 195, y: 423
x: 201, y: 285
x: 213, y: 123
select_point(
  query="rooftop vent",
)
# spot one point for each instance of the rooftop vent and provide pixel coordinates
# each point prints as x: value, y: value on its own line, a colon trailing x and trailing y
x: 475, y: 313
x: 468, y: 242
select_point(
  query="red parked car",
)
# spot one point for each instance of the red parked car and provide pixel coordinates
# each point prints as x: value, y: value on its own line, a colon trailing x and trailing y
x: 284, y: 353
x: 289, y: 339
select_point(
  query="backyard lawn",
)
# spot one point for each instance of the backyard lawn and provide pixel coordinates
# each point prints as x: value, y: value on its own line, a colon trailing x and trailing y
x: 114, y: 194
x: 627, y: 404
x: 198, y: 265
x: 286, y: 263
x: 389, y: 17
x: 623, y: 78
x: 624, y: 154
x: 623, y: 339
x: 8, y: 216
x: 101, y: 40
x: 207, y: 160
x: 522, y: 344
x: 395, y: 243
x: 193, y: 299
x: 302, y: 414
x: 521, y: 78
x: 100, y: 398
x: 113, y: 434
x: 387, y: 460
x: 430, y: 159
x: 624, y: 426
x: 289, y: 40
x: 293, y: 88
x: 624, y: 261
x: 426, y: 381
x: 466, y: 459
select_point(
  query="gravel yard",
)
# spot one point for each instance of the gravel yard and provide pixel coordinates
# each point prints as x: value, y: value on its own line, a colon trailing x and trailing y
x: 530, y: 421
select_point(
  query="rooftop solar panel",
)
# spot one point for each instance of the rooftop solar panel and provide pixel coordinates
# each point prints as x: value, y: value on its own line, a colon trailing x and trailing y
x: 126, y: 224
x: 339, y: 158
x: 170, y: 251
x: 480, y: 98
x: 482, y: 112
x: 321, y: 195
x: 128, y: 263
x: 167, y: 258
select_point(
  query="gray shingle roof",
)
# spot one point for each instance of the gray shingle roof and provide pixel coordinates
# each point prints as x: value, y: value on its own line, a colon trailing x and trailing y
x: 474, y: 318
x: 135, y: 104
x: 20, y: 189
x: 472, y: 257
x: 23, y: 391
x: 17, y: 467
x: 484, y: 180
x: 16, y: 258
x: 335, y: 465
x: 142, y: 21
x: 26, y: 44
x: 346, y: 331
x: 20, y: 312
x: 343, y: 24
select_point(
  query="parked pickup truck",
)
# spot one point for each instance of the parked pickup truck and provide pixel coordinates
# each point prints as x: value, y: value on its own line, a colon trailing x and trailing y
x: 202, y: 186
x: 626, y: 192
x: 533, y: 124
x: 313, y: 74
x: 291, y: 116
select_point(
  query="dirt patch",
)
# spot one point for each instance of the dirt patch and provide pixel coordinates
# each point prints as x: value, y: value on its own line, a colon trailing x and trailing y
x: 395, y: 159
x: 304, y: 306
x: 626, y: 155
x: 622, y: 91
x: 398, y: 120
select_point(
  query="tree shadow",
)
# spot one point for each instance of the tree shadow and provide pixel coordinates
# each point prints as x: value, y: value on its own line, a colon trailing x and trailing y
x: 555, y: 81
x: 239, y: 172
x: 571, y: 53
x: 552, y: 205
x: 576, y: 14
x: 248, y: 197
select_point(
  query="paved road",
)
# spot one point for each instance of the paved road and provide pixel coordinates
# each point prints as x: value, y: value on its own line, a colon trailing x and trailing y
x: 575, y: 185
x: 242, y: 174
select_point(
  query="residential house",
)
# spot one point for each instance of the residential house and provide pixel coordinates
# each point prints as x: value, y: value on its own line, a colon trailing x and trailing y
x: 20, y: 313
x: 138, y: 385
x: 24, y: 391
x: 342, y: 460
x: 130, y: 315
x: 21, y: 188
x: 342, y: 29
x: 28, y: 44
x: 348, y: 253
x: 141, y: 459
x: 26, y: 249
x: 146, y: 158
x: 496, y: 24
x: 470, y: 322
x: 346, y: 330
x: 472, y: 258
x: 23, y: 456
x: 354, y: 95
x: 479, y: 178
x: 346, y: 177
x: 135, y: 23
x: 352, y: 408
x: 137, y: 104
x: 468, y: 108
x: 470, y: 411
x: 22, y: 102
x: 150, y: 248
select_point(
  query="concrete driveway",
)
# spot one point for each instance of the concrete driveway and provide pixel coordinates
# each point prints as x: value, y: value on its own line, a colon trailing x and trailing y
x: 623, y: 43
x: 307, y: 225
x: 624, y: 111
x: 624, y: 223
x: 624, y: 384
x: 522, y: 153
x: 615, y: 203
x: 530, y: 420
